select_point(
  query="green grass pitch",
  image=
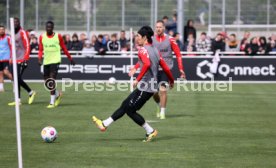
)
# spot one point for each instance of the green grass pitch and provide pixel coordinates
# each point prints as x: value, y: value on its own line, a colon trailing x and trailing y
x: 203, y: 130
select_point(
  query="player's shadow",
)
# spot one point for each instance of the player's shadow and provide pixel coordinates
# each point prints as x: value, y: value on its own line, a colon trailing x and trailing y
x: 168, y: 138
x: 179, y: 116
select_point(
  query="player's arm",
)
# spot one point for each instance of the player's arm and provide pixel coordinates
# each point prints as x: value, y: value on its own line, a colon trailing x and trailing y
x: 167, y: 70
x: 144, y: 57
x: 40, y: 50
x: 62, y: 45
x: 134, y: 69
x: 176, y: 50
x: 26, y: 45
x: 10, y: 47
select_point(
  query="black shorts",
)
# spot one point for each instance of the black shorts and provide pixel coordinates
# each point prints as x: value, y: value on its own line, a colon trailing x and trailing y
x: 162, y: 79
x: 4, y: 65
x: 51, y: 70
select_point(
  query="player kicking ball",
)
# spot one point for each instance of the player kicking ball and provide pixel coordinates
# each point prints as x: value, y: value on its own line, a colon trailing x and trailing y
x: 146, y: 83
x: 50, y: 43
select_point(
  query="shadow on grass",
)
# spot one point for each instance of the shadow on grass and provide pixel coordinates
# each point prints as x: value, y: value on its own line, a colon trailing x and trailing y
x: 179, y: 115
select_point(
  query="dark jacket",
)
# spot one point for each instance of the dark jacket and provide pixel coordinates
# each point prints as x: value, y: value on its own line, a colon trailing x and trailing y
x: 98, y: 46
x: 189, y: 30
x: 76, y: 46
x: 113, y: 46
x: 217, y: 45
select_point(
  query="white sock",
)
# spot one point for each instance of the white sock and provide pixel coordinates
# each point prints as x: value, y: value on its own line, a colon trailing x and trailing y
x: 53, y: 98
x: 1, y: 86
x: 107, y: 122
x: 30, y: 93
x: 148, y: 128
x: 162, y: 111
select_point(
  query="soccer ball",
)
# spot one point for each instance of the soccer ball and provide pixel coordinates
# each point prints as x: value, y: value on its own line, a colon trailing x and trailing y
x: 49, y: 134
x: 111, y: 80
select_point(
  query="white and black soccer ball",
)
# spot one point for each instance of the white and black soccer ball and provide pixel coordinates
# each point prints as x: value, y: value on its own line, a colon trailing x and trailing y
x: 49, y: 134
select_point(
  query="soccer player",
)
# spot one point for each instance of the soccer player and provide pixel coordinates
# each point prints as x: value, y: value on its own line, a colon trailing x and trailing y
x: 5, y: 56
x: 146, y: 83
x: 50, y: 43
x: 22, y: 46
x: 165, y: 45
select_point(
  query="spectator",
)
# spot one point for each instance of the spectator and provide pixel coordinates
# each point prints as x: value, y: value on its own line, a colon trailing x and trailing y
x: 99, y: 46
x: 189, y: 29
x: 172, y: 26
x: 232, y: 44
x: 165, y: 20
x: 253, y: 47
x: 76, y: 44
x: 114, y: 44
x: 83, y: 37
x: 218, y: 43
x: 190, y: 44
x: 203, y: 44
x: 67, y: 41
x: 106, y: 39
x: 244, y: 41
x: 123, y: 40
x: 271, y: 43
x: 171, y: 33
x: 93, y: 40
x: 263, y: 49
x: 178, y: 41
x: 88, y: 49
x: 34, y: 44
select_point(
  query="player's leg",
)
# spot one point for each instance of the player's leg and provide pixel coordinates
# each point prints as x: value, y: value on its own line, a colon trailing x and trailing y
x: 50, y: 84
x: 120, y: 112
x: 23, y: 84
x: 1, y: 80
x: 163, y: 87
x: 53, y: 75
x: 135, y: 104
x: 163, y: 101
x: 6, y: 71
x: 156, y: 98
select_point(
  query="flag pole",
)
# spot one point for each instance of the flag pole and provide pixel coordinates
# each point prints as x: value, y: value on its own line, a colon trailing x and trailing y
x: 131, y: 58
x: 16, y: 96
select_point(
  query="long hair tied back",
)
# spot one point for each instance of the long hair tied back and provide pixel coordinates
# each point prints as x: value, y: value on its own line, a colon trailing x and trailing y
x: 146, y: 31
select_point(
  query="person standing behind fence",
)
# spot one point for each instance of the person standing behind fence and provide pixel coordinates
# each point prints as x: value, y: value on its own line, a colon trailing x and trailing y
x: 123, y: 40
x: 189, y: 29
x: 203, y: 44
x: 22, y: 46
x: 114, y: 44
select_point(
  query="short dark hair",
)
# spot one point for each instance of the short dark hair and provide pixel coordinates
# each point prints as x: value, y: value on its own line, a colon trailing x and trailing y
x: 160, y: 21
x: 203, y: 33
x: 175, y: 34
x: 165, y: 17
x: 234, y: 35
x: 114, y: 35
x: 146, y: 31
x: 2, y: 26
x: 123, y: 31
x: 50, y: 22
x: 100, y: 36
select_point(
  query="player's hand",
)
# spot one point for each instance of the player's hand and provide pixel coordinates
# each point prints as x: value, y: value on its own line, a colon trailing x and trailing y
x: 182, y: 74
x: 131, y: 72
x: 39, y: 62
x: 135, y: 83
x: 72, y: 62
x: 171, y: 85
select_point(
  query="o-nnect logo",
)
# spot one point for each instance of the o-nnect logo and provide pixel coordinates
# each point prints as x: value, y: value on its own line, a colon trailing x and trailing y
x: 199, y: 69
x: 226, y: 70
